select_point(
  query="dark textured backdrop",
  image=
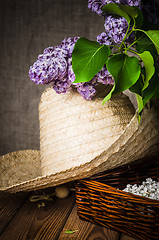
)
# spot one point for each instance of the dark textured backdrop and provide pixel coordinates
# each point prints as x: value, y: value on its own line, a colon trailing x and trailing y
x: 26, y: 28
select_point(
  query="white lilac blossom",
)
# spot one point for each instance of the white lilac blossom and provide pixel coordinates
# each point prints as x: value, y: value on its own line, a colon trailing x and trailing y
x: 149, y: 188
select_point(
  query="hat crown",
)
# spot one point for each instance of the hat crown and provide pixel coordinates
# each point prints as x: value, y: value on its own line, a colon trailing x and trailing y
x: 74, y: 131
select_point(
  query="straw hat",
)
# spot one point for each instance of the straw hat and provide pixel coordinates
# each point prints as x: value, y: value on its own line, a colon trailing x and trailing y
x: 78, y: 139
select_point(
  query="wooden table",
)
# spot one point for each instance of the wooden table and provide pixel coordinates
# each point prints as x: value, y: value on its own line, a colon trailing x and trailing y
x: 21, y: 219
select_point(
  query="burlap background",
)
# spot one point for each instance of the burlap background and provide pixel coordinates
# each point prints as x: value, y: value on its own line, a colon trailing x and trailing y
x: 26, y: 28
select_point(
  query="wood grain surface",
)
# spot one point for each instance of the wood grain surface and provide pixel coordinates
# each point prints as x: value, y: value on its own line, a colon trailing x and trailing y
x: 85, y: 230
x: 125, y: 237
x: 9, y: 206
x: 32, y: 222
x: 21, y: 219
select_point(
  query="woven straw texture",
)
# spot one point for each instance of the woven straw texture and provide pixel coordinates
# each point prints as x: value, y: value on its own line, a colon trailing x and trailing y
x: 72, y: 143
x: 18, y: 167
x: 74, y: 131
x: 100, y: 201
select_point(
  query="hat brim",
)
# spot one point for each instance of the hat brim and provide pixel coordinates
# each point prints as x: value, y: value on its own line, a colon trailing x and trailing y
x: 136, y: 141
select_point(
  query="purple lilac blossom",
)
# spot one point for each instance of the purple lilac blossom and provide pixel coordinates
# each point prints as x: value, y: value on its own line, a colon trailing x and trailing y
x: 68, y: 45
x: 116, y: 28
x: 49, y: 67
x: 87, y: 89
x: 103, y: 38
x: 104, y: 77
x: 96, y: 5
x: 61, y: 86
x: 71, y: 75
x: 53, y: 66
x: 136, y: 3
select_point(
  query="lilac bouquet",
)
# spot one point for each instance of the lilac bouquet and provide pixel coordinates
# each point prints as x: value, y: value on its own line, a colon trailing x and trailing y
x: 125, y: 55
x: 54, y: 67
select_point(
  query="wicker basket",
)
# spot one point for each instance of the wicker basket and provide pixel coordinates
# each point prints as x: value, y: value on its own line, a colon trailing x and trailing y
x: 99, y: 200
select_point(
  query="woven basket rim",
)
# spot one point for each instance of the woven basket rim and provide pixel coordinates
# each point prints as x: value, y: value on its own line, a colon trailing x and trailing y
x: 147, y: 163
x: 105, y: 205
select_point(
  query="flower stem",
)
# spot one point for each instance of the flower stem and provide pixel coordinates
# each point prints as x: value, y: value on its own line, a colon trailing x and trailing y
x: 125, y: 37
x: 130, y: 50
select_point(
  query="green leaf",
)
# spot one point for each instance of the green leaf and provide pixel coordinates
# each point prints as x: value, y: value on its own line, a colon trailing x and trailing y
x: 139, y: 18
x: 152, y: 90
x: 112, y: 8
x: 139, y: 103
x: 109, y: 95
x: 88, y: 58
x: 70, y: 231
x: 143, y: 39
x: 125, y: 11
x: 125, y: 71
x: 138, y: 86
x: 148, y: 61
x: 157, y: 50
x: 131, y: 11
x: 154, y: 36
x: 145, y: 44
x: 134, y: 12
x: 140, y: 106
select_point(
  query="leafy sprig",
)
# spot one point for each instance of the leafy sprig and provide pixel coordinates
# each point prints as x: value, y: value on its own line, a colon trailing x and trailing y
x: 138, y: 73
x: 70, y: 231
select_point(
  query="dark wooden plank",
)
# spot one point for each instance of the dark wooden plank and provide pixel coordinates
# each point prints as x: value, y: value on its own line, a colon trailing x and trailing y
x: 86, y: 230
x: 9, y: 206
x: 36, y: 223
x: 125, y: 237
